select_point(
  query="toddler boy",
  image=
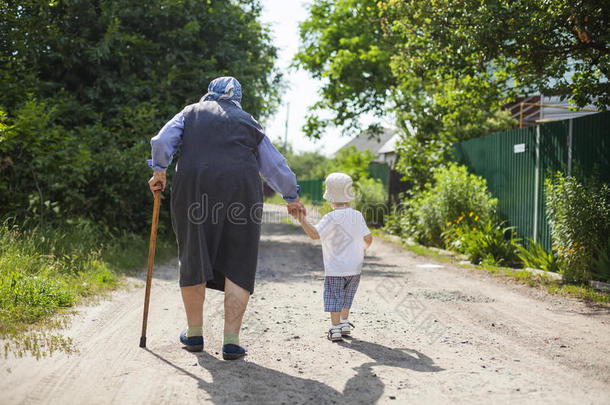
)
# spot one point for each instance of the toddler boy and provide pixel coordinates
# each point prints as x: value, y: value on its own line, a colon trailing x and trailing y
x: 345, y: 237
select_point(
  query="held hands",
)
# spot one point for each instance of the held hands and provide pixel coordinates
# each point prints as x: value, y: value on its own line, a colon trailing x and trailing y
x: 299, y: 215
x: 157, y: 182
x: 296, y: 209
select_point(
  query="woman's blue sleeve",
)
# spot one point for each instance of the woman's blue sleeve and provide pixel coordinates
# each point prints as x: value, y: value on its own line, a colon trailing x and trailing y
x: 272, y: 166
x: 166, y: 143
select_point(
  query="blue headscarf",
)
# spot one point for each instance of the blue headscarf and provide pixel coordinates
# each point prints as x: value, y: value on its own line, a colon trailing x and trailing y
x: 224, y: 88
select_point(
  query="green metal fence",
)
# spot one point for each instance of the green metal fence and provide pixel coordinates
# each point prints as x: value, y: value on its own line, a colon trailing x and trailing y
x: 380, y: 171
x: 313, y: 189
x: 516, y: 163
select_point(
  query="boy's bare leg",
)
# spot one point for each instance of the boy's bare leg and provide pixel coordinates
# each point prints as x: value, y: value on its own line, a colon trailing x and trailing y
x: 344, y: 313
x: 193, y: 298
x: 236, y: 301
x: 334, y: 317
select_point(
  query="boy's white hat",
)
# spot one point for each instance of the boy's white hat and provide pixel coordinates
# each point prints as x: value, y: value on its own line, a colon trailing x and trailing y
x: 338, y: 188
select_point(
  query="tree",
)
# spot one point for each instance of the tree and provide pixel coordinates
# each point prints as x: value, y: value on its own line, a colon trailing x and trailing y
x: 308, y: 165
x: 85, y: 84
x: 521, y: 46
x: 342, y: 43
x: 353, y: 162
x: 448, y: 66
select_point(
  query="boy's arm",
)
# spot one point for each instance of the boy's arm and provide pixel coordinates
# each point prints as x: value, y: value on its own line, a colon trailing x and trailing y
x: 308, y: 228
x: 368, y: 239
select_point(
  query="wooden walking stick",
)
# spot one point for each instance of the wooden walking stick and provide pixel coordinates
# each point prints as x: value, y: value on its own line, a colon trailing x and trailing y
x: 151, y: 261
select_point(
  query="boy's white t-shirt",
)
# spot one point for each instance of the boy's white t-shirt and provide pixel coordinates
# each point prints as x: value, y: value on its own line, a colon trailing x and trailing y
x: 341, y: 232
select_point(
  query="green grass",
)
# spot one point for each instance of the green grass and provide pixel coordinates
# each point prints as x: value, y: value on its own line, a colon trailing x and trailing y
x: 44, y: 272
x: 547, y: 283
x: 413, y: 247
x: 276, y: 198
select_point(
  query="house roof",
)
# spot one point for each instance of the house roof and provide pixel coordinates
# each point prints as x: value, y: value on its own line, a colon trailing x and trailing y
x: 374, y: 143
x: 390, y: 145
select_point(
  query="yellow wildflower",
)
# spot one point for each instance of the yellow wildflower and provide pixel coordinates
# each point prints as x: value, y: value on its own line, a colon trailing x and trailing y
x: 449, y: 223
x: 471, y: 214
x: 476, y: 218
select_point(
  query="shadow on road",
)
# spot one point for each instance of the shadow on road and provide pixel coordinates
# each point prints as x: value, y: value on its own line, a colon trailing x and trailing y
x: 243, y: 381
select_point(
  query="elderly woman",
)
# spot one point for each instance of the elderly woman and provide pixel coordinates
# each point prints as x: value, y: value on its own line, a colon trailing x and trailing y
x: 216, y: 203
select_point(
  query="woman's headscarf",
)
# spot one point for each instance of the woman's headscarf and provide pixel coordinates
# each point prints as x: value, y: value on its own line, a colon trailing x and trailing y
x: 224, y: 88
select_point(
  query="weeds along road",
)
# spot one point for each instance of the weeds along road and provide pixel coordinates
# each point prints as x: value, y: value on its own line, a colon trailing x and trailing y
x: 424, y: 334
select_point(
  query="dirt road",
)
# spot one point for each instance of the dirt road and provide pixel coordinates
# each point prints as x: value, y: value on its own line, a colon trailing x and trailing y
x: 424, y: 334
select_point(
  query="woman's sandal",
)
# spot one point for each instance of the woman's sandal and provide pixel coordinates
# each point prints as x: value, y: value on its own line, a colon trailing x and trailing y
x: 193, y: 343
x: 232, y: 352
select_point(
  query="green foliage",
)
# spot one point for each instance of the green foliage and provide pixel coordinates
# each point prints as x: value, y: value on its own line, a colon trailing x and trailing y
x: 600, y: 263
x: 352, y: 162
x: 579, y: 218
x: 494, y: 43
x: 583, y: 292
x: 490, y: 244
x: 430, y: 146
x: 536, y: 257
x: 47, y: 269
x: 371, y: 200
x: 275, y: 198
x: 314, y: 165
x: 446, y: 68
x: 44, y: 164
x: 395, y: 222
x: 306, y: 165
x: 455, y: 197
x: 342, y: 44
x: 85, y: 85
x: 371, y: 197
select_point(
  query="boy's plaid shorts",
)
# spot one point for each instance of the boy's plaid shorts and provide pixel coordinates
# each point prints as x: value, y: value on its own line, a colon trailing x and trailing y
x: 339, y: 292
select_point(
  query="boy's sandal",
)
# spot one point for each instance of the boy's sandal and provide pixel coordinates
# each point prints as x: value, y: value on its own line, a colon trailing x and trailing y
x: 334, y: 334
x: 347, y: 331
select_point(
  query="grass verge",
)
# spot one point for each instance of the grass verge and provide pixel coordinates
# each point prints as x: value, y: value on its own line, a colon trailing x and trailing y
x: 583, y: 292
x: 45, y: 272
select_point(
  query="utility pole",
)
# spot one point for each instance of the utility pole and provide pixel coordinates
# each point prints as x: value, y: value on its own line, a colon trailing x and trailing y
x: 286, y: 128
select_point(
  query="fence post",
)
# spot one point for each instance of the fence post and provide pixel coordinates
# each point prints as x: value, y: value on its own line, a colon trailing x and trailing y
x: 536, y: 184
x: 570, y: 129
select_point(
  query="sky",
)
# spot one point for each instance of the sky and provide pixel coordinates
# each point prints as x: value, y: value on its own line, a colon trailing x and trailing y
x: 283, y: 17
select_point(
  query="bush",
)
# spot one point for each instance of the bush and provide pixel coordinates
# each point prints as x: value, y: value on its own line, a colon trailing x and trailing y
x: 371, y: 199
x: 600, y: 264
x: 490, y: 244
x: 85, y: 87
x: 579, y: 218
x: 536, y: 257
x: 46, y: 269
x: 455, y: 197
x: 395, y: 221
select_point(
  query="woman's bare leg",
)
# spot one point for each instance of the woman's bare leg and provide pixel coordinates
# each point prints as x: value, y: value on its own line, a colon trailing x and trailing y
x: 236, y: 301
x: 193, y: 298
